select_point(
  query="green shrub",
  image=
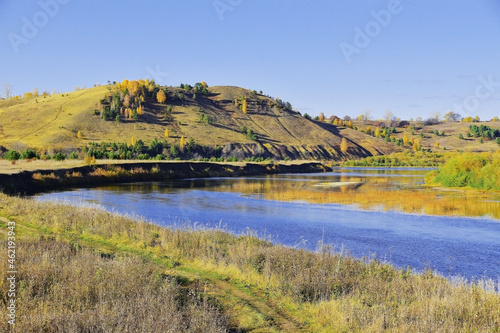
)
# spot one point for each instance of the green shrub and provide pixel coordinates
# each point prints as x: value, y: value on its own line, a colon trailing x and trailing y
x: 473, y: 170
x: 12, y: 155
x: 28, y: 154
x: 59, y: 157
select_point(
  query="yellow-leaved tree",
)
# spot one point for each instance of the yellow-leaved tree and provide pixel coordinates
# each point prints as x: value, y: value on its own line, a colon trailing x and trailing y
x: 416, y: 145
x: 161, y: 97
x: 343, y: 145
x: 132, y: 141
x: 166, y: 133
x: 244, y: 106
x: 437, y: 144
x: 405, y: 139
x: 377, y: 132
x: 79, y: 135
x: 182, y: 143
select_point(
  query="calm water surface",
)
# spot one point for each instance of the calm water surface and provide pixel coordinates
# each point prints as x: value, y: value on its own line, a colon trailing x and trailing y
x: 469, y: 247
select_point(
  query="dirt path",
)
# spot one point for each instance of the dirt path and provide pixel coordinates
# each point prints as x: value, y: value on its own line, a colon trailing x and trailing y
x: 261, y: 314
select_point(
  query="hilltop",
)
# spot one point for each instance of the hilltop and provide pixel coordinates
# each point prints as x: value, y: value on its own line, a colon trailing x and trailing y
x: 230, y: 120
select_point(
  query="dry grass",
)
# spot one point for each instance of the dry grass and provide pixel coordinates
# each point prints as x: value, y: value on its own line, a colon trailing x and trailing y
x: 320, y: 292
x: 63, y: 288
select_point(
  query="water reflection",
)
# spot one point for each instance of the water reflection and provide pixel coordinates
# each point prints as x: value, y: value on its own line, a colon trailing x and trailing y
x: 308, y: 208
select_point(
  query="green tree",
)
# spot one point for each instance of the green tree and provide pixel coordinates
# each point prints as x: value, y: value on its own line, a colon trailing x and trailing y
x: 12, y: 155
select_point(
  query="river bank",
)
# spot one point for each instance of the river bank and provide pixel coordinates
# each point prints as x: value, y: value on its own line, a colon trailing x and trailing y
x: 32, y: 181
x: 256, y: 285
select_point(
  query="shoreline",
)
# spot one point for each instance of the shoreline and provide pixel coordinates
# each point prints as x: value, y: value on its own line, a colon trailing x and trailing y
x: 33, y: 181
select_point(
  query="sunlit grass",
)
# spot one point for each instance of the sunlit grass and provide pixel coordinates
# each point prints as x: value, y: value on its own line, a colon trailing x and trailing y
x: 260, y: 286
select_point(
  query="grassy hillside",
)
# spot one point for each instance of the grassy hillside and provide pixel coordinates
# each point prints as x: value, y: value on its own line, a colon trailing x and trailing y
x: 213, y: 119
x: 446, y: 134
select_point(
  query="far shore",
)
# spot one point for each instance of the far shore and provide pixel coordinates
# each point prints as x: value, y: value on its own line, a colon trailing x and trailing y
x: 35, y: 176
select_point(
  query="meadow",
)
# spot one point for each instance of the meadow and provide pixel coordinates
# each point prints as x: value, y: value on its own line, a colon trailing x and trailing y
x: 83, y: 269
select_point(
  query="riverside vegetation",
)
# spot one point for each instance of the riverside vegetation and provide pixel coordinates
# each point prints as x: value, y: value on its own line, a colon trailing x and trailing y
x: 83, y: 269
x: 479, y: 171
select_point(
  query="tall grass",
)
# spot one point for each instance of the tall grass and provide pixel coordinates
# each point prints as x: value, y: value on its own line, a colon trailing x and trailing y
x: 66, y: 289
x: 326, y: 291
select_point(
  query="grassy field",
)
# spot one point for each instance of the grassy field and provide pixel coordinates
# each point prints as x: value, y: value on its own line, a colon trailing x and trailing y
x: 82, y: 269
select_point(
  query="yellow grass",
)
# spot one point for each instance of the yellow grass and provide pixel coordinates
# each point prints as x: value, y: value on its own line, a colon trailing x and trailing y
x: 259, y: 286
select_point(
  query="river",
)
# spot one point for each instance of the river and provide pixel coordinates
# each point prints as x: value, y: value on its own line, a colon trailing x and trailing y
x: 450, y: 245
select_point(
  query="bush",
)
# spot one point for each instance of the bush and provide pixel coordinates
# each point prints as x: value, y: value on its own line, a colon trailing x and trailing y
x: 59, y: 157
x: 474, y: 170
x: 73, y: 155
x: 28, y: 154
x: 12, y: 155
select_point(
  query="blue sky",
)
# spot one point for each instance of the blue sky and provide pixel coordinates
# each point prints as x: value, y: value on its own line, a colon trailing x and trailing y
x: 339, y: 57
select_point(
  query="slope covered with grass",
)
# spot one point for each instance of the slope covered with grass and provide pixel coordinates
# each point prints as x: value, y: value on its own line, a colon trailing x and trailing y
x: 213, y: 117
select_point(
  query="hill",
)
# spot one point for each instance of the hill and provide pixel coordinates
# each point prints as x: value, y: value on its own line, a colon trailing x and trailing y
x: 441, y: 136
x: 230, y: 120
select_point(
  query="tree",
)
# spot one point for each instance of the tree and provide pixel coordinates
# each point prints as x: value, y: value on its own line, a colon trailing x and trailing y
x: 389, y: 117
x: 161, y: 97
x: 126, y: 101
x: 476, y: 119
x: 495, y: 118
x: 35, y: 92
x: 437, y: 144
x: 182, y: 143
x: 452, y: 117
x: 436, y: 115
x: 405, y: 139
x: 321, y: 117
x: 7, y: 90
x: 377, y: 132
x: 244, y: 106
x: 12, y: 155
x: 79, y: 135
x: 416, y: 145
x: 349, y: 124
x: 166, y: 133
x: 132, y: 141
x: 343, y: 145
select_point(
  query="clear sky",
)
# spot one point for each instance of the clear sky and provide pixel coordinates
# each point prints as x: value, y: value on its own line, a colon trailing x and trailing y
x: 339, y: 57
